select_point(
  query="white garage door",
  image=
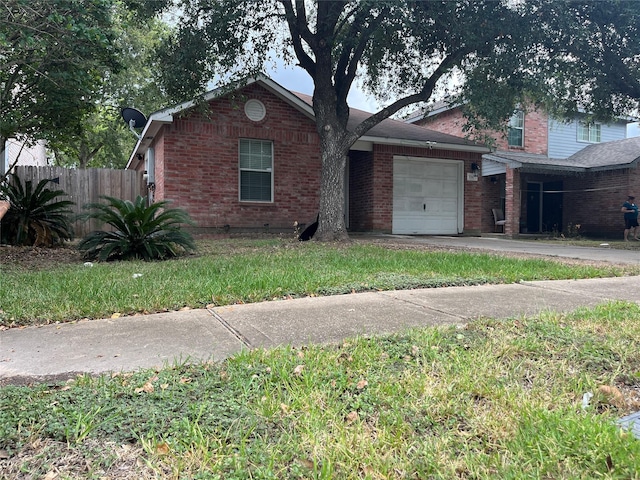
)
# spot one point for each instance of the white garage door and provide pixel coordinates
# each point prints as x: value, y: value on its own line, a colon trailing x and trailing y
x: 427, y: 196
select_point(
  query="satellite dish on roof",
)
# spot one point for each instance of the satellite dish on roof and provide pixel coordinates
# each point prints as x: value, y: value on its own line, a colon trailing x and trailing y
x: 134, y: 118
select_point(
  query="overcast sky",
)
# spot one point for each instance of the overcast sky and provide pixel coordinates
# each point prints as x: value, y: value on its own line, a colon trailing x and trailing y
x: 298, y: 80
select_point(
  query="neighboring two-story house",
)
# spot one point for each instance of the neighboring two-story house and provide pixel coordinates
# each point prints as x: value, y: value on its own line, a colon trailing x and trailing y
x: 551, y: 176
x: 18, y: 153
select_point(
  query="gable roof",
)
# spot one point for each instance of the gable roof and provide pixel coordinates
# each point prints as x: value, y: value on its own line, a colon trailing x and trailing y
x: 397, y: 132
x: 440, y: 106
x: 598, y: 156
x: 389, y: 131
x: 431, y: 110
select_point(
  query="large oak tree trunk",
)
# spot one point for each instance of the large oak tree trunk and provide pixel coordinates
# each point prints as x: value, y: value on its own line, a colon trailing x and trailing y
x: 331, y: 225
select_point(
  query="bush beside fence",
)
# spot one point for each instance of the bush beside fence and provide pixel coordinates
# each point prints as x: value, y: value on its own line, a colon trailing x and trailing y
x: 84, y: 186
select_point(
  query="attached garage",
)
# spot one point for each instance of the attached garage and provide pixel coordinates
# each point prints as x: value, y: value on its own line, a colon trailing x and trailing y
x: 400, y: 178
x: 428, y: 196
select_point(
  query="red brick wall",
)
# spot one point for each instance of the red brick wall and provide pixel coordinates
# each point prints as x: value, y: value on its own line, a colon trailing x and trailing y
x: 361, y: 191
x: 594, y: 200
x: 197, y: 164
x: 512, y: 202
x: 377, y: 215
x: 196, y: 161
x: 535, y: 129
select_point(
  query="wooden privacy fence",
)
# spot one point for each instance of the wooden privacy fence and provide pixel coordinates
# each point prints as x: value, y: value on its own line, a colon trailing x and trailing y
x: 86, y: 186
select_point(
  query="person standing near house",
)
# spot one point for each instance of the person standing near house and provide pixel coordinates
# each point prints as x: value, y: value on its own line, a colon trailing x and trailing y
x: 630, y: 210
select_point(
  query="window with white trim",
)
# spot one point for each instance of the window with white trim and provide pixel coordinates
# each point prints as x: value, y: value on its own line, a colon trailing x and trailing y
x: 516, y: 130
x: 256, y: 170
x: 589, y: 132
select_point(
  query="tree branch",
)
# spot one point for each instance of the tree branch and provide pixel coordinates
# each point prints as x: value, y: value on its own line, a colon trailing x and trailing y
x: 300, y: 30
x: 423, y: 95
x: 349, y: 60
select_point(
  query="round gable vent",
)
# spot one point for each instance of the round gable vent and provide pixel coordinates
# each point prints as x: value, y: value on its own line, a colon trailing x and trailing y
x: 255, y: 110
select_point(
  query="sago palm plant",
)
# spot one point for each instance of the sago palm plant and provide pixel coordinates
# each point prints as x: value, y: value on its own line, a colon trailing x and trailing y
x: 36, y: 216
x: 152, y: 232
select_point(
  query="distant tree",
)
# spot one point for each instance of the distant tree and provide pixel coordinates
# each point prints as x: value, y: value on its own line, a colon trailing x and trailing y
x: 105, y: 140
x: 587, y: 60
x: 403, y: 52
x: 54, y: 58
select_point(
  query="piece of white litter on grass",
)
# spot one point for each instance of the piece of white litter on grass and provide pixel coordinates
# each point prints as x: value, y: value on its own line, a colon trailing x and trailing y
x: 586, y: 398
x: 137, y: 275
x: 88, y: 264
x: 604, y: 244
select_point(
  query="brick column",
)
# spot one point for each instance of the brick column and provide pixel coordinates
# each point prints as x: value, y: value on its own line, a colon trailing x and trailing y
x: 512, y: 202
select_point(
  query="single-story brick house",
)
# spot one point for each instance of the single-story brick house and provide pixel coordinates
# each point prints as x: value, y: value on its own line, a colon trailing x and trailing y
x: 252, y: 161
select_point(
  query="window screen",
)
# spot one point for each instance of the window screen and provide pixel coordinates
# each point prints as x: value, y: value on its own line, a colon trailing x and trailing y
x: 256, y: 170
x: 516, y: 130
x: 589, y: 132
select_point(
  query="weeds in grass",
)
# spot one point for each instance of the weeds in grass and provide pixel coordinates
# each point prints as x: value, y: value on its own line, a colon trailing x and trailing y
x: 493, y: 399
x: 254, y: 272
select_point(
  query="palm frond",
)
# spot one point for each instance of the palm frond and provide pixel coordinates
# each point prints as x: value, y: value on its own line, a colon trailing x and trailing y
x: 153, y: 232
x: 36, y: 216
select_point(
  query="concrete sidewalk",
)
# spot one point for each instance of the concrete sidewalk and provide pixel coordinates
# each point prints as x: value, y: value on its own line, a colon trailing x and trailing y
x: 130, y: 343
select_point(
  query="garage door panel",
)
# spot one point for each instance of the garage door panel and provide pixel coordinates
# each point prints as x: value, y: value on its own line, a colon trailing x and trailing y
x: 427, y: 196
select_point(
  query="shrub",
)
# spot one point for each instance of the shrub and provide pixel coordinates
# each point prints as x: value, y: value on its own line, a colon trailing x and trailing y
x: 36, y: 217
x: 144, y: 232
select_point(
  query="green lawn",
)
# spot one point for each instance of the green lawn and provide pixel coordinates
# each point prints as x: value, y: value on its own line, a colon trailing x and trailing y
x: 492, y: 400
x: 242, y: 271
x: 497, y: 399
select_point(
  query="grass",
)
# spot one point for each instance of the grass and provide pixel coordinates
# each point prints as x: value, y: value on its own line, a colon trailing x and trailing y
x: 251, y: 271
x: 493, y: 400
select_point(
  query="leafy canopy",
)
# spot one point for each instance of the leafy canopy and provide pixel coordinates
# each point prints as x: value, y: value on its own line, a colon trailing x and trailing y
x: 105, y: 141
x: 54, y: 57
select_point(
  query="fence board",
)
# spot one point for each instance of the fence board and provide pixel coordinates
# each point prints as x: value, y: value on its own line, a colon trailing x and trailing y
x: 86, y: 186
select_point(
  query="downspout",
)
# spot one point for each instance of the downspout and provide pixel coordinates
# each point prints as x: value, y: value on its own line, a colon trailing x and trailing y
x: 150, y: 174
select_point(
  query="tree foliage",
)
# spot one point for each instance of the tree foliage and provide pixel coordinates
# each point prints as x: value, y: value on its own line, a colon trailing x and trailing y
x: 104, y: 139
x: 54, y: 57
x: 585, y: 58
x: 405, y: 52
x: 37, y: 216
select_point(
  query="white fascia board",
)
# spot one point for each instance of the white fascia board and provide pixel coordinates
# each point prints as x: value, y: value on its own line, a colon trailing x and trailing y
x: 505, y: 161
x: 153, y: 125
x: 426, y: 114
x: 286, y: 95
x: 424, y: 144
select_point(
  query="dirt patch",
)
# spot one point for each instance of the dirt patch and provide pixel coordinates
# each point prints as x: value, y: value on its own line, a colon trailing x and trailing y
x: 50, y: 459
x: 37, y: 258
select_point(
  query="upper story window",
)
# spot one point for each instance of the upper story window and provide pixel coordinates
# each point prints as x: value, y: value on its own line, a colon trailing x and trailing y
x: 256, y: 170
x: 516, y: 130
x: 589, y: 132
